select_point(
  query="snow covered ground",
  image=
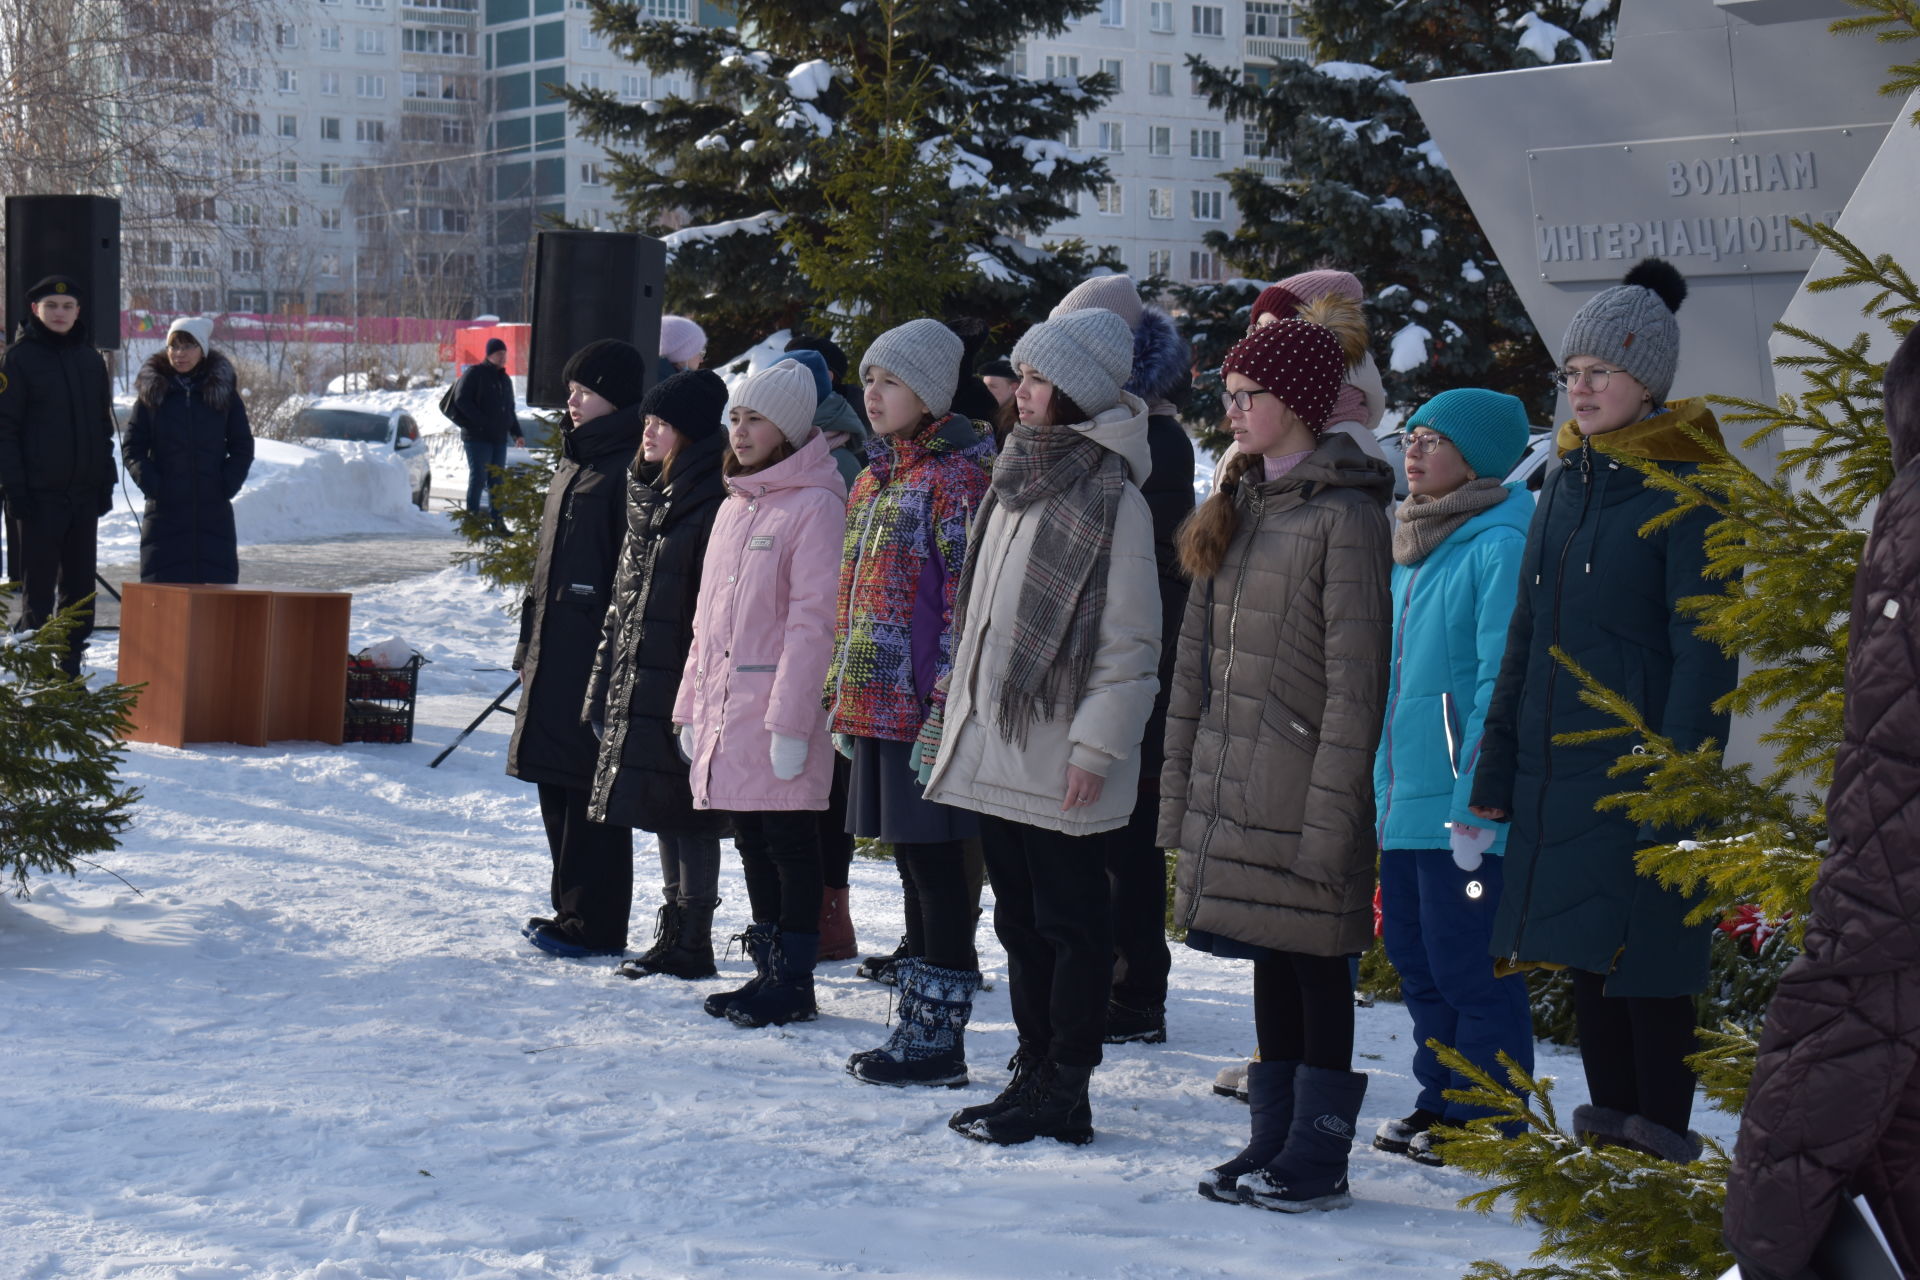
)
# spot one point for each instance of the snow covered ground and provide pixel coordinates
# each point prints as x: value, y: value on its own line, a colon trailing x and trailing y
x: 313, y: 1045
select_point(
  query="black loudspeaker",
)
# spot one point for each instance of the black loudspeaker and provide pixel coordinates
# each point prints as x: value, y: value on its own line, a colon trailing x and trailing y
x: 74, y: 236
x: 589, y: 285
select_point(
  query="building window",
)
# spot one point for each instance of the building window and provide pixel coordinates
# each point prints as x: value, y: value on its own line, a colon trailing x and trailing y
x: 371, y: 4
x: 436, y: 41
x: 589, y: 173
x: 369, y: 131
x: 1203, y: 265
x: 1106, y: 198
x: 1115, y: 70
x: 194, y: 258
x: 1112, y: 137
x: 286, y: 35
x: 1113, y: 13
x: 289, y: 126
x: 1204, y: 144
x: 370, y: 86
x: 246, y: 215
x: 632, y: 87
x: 591, y: 39
x: 669, y: 10
x: 329, y: 84
x: 286, y: 80
x: 328, y: 264
x: 1195, y: 87
x: 1160, y: 140
x: 246, y: 260
x: 289, y: 171
x: 330, y: 128
x: 1062, y: 66
x: 246, y: 171
x: 329, y: 174
x: 1159, y: 262
x: 329, y: 219
x: 1159, y: 202
x: 1207, y: 206
x: 1209, y: 20
x: 246, y: 124
x: 246, y: 31
x: 289, y: 215
x: 330, y: 38
x: 1160, y: 17
x: 370, y: 40
x: 1160, y: 79
x: 589, y: 79
x: 247, y: 77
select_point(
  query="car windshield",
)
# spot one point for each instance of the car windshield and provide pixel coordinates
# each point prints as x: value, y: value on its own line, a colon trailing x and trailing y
x: 342, y: 424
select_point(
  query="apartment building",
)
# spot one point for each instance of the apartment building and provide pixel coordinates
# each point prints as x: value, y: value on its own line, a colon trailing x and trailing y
x: 1167, y: 151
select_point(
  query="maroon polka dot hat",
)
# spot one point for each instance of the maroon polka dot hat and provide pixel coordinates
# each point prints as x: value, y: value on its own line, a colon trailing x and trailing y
x: 1298, y: 361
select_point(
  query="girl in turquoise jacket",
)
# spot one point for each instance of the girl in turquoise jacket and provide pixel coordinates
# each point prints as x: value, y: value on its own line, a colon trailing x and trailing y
x: 1456, y: 553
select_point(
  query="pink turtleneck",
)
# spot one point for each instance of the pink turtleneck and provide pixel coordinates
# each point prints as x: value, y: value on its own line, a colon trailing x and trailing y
x: 1277, y: 467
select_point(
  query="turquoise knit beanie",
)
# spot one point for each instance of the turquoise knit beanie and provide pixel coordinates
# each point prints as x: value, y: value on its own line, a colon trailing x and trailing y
x: 1488, y: 428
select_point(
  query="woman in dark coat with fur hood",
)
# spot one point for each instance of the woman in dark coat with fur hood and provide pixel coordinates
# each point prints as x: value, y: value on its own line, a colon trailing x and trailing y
x: 189, y: 448
x: 1136, y: 866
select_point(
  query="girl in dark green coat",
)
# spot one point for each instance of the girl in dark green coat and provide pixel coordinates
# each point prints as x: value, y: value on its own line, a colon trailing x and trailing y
x: 1609, y: 597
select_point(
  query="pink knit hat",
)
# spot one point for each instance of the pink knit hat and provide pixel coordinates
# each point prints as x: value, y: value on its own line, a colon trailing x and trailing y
x: 1309, y: 285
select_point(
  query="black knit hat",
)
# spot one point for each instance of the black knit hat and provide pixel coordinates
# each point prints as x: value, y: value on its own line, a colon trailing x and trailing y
x: 691, y: 403
x: 836, y: 358
x: 611, y: 369
x: 48, y: 286
x: 999, y: 367
x: 495, y: 344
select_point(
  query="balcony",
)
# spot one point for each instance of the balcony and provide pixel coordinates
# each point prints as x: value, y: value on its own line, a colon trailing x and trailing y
x: 1270, y: 49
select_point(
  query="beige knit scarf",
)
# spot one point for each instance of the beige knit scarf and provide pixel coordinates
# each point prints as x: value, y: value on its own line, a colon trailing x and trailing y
x: 1426, y: 522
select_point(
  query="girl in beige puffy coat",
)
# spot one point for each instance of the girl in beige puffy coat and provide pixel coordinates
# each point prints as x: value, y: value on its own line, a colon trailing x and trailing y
x: 1267, y: 791
x: 1055, y: 668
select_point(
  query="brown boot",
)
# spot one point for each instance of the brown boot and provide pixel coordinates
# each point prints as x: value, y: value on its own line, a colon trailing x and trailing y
x: 836, y: 927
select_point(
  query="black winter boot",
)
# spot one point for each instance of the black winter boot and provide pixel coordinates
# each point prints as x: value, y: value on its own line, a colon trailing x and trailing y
x: 880, y: 968
x: 929, y: 1041
x: 688, y: 952
x: 1021, y: 1067
x: 758, y: 943
x: 1311, y: 1170
x: 1270, y: 1106
x: 666, y: 929
x: 1053, y: 1105
x: 787, y: 994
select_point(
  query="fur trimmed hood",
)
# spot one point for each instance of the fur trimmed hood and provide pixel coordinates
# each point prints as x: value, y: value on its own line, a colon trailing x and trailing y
x: 1162, y: 360
x: 156, y: 379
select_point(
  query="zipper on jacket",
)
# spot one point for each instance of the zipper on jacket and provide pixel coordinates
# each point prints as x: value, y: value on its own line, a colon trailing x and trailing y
x: 1226, y: 710
x: 864, y: 545
x: 1553, y: 671
x: 1399, y: 649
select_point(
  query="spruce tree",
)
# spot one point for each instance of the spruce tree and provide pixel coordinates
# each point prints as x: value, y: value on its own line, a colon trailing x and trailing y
x: 60, y: 749
x: 759, y: 158
x: 1366, y: 190
x: 502, y: 551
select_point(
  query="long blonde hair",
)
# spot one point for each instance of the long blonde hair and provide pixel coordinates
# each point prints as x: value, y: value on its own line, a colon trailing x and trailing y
x: 1205, y: 535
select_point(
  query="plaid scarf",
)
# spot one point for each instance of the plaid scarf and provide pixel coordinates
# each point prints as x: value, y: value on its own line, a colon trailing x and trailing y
x: 1076, y: 484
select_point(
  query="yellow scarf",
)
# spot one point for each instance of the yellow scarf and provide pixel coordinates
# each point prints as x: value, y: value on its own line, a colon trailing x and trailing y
x: 1657, y: 439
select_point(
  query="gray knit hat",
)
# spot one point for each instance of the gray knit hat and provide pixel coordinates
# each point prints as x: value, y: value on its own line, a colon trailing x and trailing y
x: 784, y: 396
x: 925, y: 355
x: 1111, y: 293
x: 1631, y: 325
x: 1087, y: 354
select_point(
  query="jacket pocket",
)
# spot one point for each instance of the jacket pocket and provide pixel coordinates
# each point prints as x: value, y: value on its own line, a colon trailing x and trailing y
x: 1278, y: 764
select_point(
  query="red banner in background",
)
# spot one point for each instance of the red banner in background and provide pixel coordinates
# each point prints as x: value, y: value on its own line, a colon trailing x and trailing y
x: 236, y: 327
x: 470, y: 346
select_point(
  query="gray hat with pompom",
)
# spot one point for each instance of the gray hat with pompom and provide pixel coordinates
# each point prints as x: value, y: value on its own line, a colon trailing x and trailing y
x: 1632, y: 326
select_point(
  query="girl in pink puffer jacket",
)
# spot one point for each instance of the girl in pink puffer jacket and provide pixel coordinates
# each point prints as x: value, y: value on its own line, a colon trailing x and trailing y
x: 749, y: 712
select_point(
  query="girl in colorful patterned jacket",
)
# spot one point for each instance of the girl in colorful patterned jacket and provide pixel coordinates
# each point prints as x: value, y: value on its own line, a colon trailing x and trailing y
x: 748, y: 711
x: 905, y: 547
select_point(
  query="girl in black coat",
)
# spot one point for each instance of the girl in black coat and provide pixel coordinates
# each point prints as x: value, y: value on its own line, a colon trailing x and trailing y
x: 189, y: 448
x: 640, y: 780
x: 560, y: 622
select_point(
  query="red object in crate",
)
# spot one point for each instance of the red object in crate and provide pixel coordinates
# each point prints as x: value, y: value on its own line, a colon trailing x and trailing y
x: 380, y: 700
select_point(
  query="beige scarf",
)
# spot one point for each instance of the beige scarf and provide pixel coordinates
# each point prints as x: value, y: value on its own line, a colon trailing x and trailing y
x: 1426, y: 522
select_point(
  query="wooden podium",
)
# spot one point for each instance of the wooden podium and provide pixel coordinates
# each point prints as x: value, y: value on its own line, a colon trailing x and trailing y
x: 244, y: 664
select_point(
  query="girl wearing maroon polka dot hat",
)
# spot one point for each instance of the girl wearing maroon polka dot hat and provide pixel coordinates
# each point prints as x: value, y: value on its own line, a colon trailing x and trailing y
x: 1267, y: 792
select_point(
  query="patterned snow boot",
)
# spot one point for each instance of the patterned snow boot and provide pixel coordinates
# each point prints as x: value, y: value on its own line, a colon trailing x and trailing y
x: 929, y: 1041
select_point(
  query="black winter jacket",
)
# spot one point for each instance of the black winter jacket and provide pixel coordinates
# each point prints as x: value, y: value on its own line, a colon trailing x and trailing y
x: 189, y: 449
x: 640, y: 780
x: 483, y: 405
x: 1169, y: 495
x: 560, y: 618
x: 56, y: 417
x: 1609, y: 597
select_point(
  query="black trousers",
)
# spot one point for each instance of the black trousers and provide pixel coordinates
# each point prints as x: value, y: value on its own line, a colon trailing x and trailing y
x: 592, y: 869
x: 690, y: 870
x: 940, y: 903
x: 58, y: 546
x: 836, y: 846
x: 780, y: 854
x: 1303, y: 1009
x: 1634, y: 1051
x: 1050, y: 912
x: 1137, y: 878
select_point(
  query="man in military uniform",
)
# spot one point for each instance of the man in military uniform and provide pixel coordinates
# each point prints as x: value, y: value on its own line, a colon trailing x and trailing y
x: 56, y: 456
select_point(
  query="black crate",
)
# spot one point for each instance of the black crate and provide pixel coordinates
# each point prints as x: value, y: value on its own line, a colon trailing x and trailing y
x: 380, y: 701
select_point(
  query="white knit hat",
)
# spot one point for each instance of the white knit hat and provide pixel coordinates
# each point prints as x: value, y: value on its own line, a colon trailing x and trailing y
x: 784, y: 396
x: 199, y: 328
x: 1087, y: 354
x: 680, y: 339
x: 925, y: 355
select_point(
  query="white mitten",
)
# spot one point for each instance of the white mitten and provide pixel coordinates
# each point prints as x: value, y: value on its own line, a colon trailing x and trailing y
x: 789, y: 756
x: 683, y: 738
x: 1469, y: 845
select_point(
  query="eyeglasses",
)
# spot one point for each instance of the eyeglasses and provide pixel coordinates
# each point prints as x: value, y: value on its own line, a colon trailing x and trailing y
x: 1419, y: 446
x: 1596, y: 379
x: 1241, y: 400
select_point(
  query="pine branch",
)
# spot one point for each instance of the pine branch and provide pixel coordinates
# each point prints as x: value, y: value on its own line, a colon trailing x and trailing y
x: 1892, y: 21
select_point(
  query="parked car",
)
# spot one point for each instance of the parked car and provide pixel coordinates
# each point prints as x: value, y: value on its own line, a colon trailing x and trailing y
x: 450, y: 456
x: 365, y: 424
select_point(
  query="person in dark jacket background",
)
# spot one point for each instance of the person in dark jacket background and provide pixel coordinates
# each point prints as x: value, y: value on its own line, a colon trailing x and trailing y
x: 56, y: 457
x: 1136, y: 864
x: 836, y: 359
x: 1594, y: 585
x: 483, y: 410
x: 640, y: 780
x: 1834, y: 1109
x: 188, y: 447
x: 971, y: 399
x: 560, y: 630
